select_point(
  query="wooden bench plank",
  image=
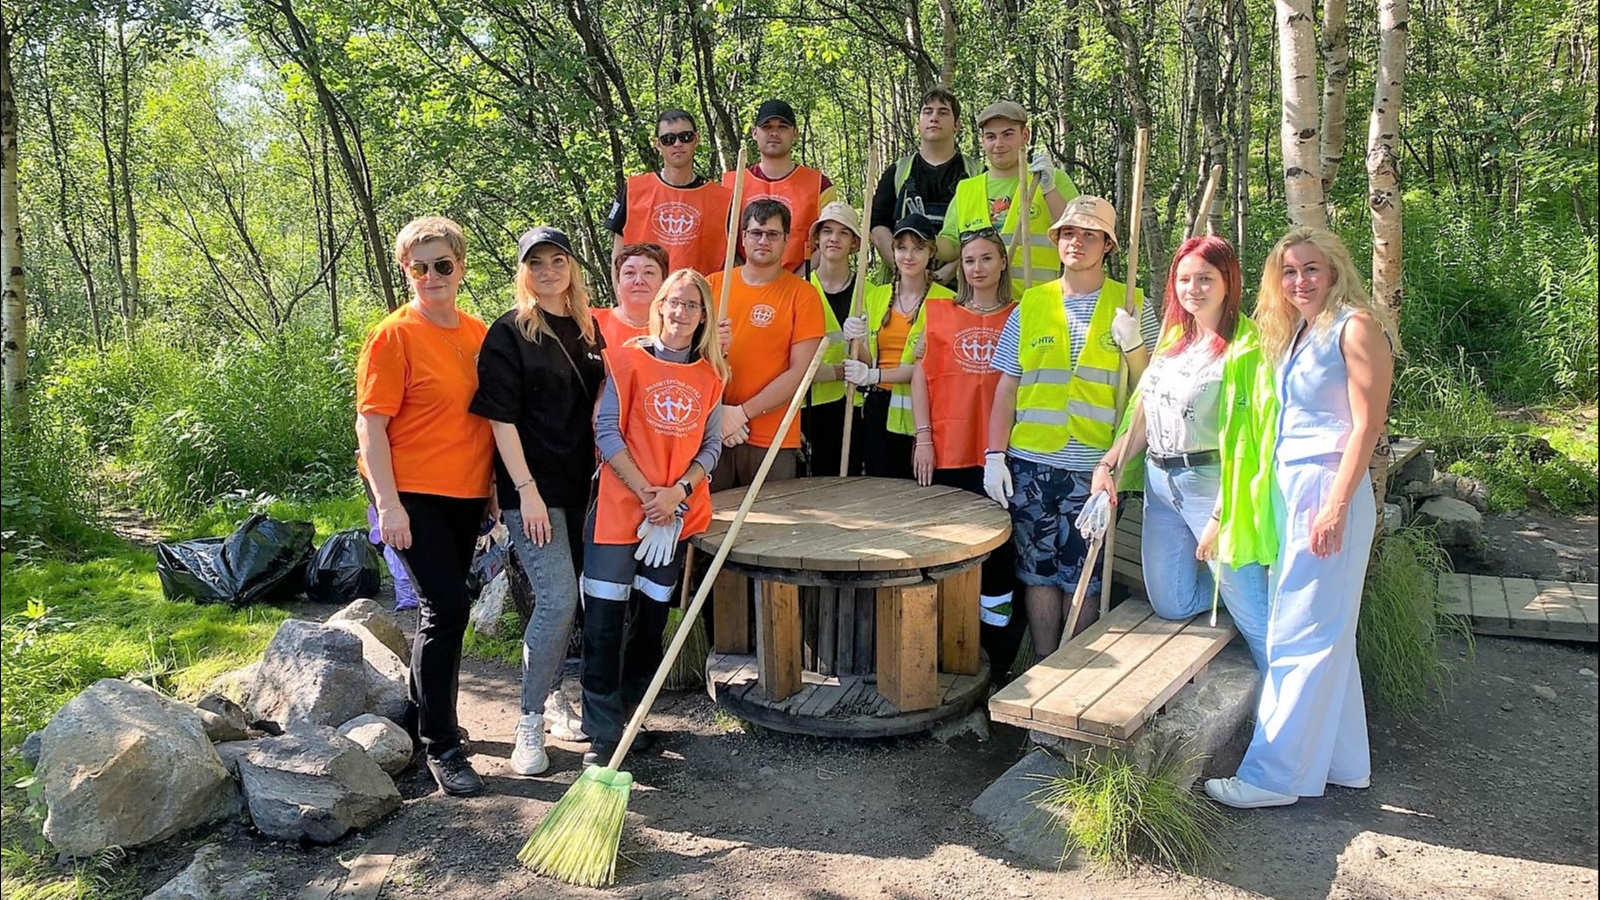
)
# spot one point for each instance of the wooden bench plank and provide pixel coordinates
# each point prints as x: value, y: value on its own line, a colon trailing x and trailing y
x: 1561, y: 608
x: 1065, y: 705
x: 1455, y: 595
x: 1085, y: 736
x: 1018, y: 698
x: 1489, y: 601
x: 1142, y: 692
x: 1524, y: 614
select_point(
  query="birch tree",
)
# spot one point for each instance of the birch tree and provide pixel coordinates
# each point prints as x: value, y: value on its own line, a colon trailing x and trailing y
x: 1383, y: 153
x: 1299, y: 132
x: 14, y: 309
x: 1335, y: 48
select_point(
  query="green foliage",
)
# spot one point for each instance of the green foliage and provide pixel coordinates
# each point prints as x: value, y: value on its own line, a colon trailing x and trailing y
x: 1118, y: 813
x: 1516, y: 471
x: 505, y: 646
x: 46, y: 502
x: 1397, y: 637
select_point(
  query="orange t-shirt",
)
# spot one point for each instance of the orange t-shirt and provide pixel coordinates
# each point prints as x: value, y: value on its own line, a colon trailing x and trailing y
x: 892, y: 340
x: 616, y: 331
x: 423, y: 376
x: 767, y: 321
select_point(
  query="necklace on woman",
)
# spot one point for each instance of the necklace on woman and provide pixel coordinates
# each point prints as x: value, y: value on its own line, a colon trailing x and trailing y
x: 912, y: 312
x: 971, y: 307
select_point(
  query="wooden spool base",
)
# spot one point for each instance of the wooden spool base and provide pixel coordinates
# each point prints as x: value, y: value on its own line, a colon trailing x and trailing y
x: 846, y: 706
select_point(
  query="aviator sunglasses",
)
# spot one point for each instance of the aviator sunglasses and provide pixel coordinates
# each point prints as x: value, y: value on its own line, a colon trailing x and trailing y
x: 678, y: 137
x: 418, y: 269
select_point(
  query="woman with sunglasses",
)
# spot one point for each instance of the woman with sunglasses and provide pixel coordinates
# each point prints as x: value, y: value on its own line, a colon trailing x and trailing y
x: 426, y: 461
x: 659, y: 434
x: 1203, y: 418
x: 952, y: 392
x: 538, y: 379
x: 637, y: 271
x: 892, y: 325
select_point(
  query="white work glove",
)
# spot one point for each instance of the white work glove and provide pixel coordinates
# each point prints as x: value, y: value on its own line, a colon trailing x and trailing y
x: 1125, y: 329
x: 1043, y: 171
x: 854, y: 328
x: 1095, y: 517
x: 860, y: 374
x: 997, y: 477
x: 658, y: 543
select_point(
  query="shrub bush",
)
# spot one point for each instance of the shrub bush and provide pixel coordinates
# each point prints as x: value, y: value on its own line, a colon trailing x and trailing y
x: 1400, y: 627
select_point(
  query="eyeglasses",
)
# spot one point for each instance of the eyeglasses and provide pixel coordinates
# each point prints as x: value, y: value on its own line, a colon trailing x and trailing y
x: 986, y: 232
x: 676, y: 137
x: 419, y: 269
x: 760, y: 236
x: 683, y: 305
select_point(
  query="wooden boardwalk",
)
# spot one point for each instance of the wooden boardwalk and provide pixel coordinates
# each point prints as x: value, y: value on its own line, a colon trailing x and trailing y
x: 1523, y: 607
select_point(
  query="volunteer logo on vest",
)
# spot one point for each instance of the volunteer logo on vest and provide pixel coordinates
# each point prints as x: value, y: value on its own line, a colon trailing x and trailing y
x: 672, y: 407
x: 975, y: 348
x: 1108, y: 342
x: 761, y: 315
x: 677, y: 223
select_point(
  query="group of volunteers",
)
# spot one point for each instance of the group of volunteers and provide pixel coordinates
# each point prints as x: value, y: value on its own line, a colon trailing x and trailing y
x: 987, y: 352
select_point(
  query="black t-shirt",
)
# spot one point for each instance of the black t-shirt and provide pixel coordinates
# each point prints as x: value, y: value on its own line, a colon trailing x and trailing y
x: 928, y: 190
x: 534, y: 387
x: 617, y: 217
x: 838, y: 301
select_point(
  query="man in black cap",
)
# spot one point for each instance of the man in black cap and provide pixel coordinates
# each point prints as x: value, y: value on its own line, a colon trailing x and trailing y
x: 804, y: 190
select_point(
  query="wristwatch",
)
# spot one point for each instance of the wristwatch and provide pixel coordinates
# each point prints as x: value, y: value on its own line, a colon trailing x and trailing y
x: 688, y: 489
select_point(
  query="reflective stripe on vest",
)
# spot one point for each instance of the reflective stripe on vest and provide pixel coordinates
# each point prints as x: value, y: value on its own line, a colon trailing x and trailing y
x: 1059, y: 398
x: 664, y: 408
x: 828, y: 391
x: 876, y: 303
x: 691, y: 224
x: 801, y: 192
x: 958, y: 367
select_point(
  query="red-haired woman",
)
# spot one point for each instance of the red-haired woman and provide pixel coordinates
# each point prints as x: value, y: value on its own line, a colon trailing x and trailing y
x: 1204, y: 420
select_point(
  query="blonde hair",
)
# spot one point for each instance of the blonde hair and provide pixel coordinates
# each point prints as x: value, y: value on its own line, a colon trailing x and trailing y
x: 705, y: 341
x: 530, y: 318
x: 425, y: 229
x: 1275, y: 316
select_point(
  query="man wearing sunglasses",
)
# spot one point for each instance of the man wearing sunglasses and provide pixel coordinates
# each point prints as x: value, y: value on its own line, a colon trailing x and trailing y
x: 804, y: 191
x: 676, y: 208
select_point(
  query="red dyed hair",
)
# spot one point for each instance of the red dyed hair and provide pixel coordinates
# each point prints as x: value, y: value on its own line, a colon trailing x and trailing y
x: 1219, y: 253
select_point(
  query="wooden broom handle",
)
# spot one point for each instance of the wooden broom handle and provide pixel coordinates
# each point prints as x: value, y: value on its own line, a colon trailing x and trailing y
x: 1202, y: 215
x: 735, y: 215
x: 1024, y: 238
x: 857, y: 301
x: 684, y: 627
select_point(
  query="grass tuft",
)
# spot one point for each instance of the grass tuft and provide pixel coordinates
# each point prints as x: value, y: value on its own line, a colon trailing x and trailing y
x: 1397, y: 638
x: 1118, y: 814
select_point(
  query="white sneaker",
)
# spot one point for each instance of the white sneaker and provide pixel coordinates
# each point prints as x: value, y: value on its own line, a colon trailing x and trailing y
x: 528, y: 756
x: 1244, y: 795
x: 562, y: 720
x: 1355, y: 784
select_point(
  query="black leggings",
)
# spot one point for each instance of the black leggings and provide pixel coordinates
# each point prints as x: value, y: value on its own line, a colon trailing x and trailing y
x: 443, y: 533
x: 885, y: 453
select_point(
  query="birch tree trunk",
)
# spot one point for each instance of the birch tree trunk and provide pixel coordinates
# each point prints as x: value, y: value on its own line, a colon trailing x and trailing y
x: 14, y: 304
x: 1335, y: 48
x: 1383, y: 154
x: 1299, y: 132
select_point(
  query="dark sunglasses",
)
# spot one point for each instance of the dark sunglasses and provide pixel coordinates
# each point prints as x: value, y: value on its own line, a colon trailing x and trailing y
x: 445, y: 267
x: 986, y: 232
x: 680, y: 137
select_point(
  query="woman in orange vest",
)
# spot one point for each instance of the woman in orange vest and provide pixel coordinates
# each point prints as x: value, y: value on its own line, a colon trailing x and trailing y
x: 952, y: 390
x: 658, y: 430
x: 637, y: 272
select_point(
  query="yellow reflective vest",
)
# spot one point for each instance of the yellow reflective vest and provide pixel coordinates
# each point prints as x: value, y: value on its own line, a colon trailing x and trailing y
x: 1059, y: 398
x: 876, y: 302
x: 972, y: 210
x: 829, y: 391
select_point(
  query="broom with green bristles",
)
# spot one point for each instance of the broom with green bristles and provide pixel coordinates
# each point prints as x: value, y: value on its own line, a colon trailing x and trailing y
x: 577, y: 841
x: 689, y: 670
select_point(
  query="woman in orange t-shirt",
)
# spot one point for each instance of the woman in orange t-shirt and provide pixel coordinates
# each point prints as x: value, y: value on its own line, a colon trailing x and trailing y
x: 637, y: 273
x: 426, y: 460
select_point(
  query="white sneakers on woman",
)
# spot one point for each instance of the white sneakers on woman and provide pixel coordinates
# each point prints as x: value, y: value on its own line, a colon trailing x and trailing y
x: 528, y: 756
x: 1244, y: 795
x: 562, y: 720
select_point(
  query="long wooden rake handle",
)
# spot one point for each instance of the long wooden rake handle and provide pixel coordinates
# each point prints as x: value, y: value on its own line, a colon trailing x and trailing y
x: 735, y: 215
x: 1202, y: 215
x: 1141, y: 149
x: 684, y: 627
x: 858, y: 300
x: 1084, y: 575
x: 1024, y: 215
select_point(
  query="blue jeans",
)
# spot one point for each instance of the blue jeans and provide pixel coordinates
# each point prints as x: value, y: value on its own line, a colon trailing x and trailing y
x: 553, y: 572
x: 1177, y: 507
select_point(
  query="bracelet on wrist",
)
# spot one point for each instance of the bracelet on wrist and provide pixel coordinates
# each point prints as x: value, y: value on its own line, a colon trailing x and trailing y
x: 518, y: 486
x: 922, y: 428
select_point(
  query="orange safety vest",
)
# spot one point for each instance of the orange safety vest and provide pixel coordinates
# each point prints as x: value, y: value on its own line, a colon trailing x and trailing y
x: 615, y: 331
x: 665, y: 407
x: 691, y: 224
x: 801, y: 192
x: 956, y: 361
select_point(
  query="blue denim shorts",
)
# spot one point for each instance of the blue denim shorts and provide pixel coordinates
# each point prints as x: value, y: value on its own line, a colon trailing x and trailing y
x: 1045, y: 502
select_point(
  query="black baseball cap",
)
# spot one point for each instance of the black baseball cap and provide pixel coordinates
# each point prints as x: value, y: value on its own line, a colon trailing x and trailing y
x: 776, y: 109
x: 543, y: 234
x: 918, y: 224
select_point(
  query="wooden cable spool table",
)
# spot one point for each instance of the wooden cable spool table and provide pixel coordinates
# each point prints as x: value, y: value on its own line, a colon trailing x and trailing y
x: 849, y: 606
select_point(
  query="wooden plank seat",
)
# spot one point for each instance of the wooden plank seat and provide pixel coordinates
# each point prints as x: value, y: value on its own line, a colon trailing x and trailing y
x: 1104, y: 684
x: 1523, y: 607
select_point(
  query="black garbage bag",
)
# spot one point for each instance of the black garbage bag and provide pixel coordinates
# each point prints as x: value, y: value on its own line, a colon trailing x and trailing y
x: 344, y: 569
x: 263, y: 560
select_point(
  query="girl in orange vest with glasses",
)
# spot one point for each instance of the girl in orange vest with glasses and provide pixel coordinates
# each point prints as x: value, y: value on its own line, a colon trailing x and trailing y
x: 952, y: 391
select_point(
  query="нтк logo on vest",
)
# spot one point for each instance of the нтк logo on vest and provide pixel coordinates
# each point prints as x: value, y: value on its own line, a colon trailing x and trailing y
x: 974, y: 348
x: 676, y: 223
x: 672, y: 407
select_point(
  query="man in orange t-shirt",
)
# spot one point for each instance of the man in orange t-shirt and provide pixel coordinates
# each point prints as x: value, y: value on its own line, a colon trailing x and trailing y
x: 776, y: 322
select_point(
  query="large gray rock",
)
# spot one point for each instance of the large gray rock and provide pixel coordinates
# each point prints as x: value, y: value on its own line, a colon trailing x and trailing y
x: 215, y: 874
x: 1011, y: 807
x: 32, y: 747
x: 224, y: 719
x: 387, y: 673
x: 310, y: 674
x: 124, y: 766
x: 314, y: 785
x: 378, y: 621
x: 230, y: 752
x: 486, y: 611
x: 387, y: 743
x: 1456, y: 523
